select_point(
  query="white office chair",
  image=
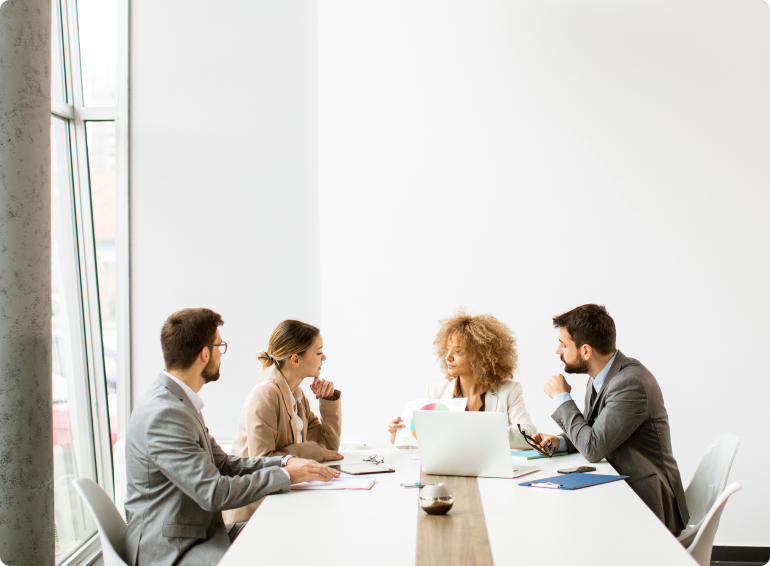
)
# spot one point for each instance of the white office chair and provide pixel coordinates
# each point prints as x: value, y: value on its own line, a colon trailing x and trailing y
x: 708, y: 483
x: 109, y: 522
x: 701, y: 547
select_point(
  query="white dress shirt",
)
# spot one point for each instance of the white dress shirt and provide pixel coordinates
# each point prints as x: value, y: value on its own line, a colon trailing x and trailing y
x: 294, y: 400
x: 191, y: 395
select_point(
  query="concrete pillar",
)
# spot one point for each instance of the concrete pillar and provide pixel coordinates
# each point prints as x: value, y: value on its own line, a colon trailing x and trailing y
x: 26, y: 438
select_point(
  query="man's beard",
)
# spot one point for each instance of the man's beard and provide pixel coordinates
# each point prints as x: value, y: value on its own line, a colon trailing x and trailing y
x: 210, y: 372
x: 581, y: 366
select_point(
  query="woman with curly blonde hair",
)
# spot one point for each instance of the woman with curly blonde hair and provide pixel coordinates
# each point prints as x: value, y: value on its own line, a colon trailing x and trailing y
x: 478, y: 355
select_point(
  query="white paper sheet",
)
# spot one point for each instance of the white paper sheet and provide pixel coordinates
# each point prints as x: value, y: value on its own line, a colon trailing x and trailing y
x: 407, y: 436
x: 355, y: 482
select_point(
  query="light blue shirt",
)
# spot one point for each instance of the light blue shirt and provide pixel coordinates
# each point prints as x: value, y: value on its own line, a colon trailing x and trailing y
x: 597, y: 382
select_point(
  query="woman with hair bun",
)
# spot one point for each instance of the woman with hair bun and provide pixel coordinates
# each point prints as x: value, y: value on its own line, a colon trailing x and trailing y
x: 478, y: 356
x: 276, y: 418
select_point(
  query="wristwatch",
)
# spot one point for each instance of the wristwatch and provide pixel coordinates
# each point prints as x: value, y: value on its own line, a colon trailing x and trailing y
x: 285, y: 459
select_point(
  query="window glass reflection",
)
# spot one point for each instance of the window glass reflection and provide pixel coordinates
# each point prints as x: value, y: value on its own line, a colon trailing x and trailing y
x: 97, y: 27
x: 73, y: 452
x: 58, y: 86
x: 100, y: 137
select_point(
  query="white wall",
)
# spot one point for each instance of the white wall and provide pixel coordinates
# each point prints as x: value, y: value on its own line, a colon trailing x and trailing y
x: 224, y: 198
x: 522, y: 158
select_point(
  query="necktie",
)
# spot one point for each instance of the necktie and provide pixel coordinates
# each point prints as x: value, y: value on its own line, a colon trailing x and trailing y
x: 590, y: 410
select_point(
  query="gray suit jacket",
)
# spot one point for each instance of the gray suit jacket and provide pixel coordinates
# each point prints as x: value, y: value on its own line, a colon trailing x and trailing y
x: 180, y: 481
x: 628, y: 425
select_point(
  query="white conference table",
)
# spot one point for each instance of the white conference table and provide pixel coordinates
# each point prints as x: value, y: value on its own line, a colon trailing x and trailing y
x: 606, y: 524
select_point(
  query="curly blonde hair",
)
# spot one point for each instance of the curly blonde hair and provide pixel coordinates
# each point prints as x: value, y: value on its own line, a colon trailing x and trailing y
x: 489, y: 343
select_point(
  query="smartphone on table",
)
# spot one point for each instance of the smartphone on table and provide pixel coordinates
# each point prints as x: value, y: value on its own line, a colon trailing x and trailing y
x: 578, y: 469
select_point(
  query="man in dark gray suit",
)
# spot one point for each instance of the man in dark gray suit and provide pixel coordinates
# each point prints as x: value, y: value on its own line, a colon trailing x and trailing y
x: 179, y: 479
x: 624, y: 419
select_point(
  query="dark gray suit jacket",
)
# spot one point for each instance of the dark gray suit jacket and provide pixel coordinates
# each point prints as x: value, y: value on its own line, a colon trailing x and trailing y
x: 628, y: 425
x: 180, y: 481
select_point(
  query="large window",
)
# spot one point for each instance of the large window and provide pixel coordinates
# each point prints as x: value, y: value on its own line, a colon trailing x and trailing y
x: 89, y: 264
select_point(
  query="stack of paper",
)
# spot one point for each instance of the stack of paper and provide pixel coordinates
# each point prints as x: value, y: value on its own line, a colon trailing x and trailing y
x: 355, y: 482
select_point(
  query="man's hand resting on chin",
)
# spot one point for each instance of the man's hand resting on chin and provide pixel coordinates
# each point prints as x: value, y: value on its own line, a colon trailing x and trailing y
x: 557, y: 384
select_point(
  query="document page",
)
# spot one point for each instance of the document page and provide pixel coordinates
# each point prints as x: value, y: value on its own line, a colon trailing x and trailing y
x: 355, y: 482
x: 407, y: 436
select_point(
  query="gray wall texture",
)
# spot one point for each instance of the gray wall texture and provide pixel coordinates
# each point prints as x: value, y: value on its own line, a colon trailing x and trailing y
x: 26, y: 442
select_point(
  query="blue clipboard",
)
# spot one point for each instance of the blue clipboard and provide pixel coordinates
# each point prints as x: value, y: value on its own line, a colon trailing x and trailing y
x: 576, y: 481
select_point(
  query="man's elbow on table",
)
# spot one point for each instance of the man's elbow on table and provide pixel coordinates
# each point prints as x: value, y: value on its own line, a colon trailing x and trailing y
x: 593, y: 453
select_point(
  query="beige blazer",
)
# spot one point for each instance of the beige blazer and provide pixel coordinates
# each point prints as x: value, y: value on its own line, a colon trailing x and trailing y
x: 507, y: 397
x: 267, y: 428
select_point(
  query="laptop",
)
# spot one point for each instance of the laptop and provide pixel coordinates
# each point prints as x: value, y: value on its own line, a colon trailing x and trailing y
x: 465, y: 443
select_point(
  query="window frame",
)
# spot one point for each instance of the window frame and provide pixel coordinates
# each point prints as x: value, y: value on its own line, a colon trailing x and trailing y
x: 76, y: 116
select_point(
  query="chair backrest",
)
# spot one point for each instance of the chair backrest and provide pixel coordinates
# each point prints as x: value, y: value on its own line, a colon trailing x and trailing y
x: 701, y: 547
x: 109, y: 522
x: 710, y: 478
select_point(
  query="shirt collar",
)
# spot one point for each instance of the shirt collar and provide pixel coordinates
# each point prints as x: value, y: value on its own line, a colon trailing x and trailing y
x: 599, y: 379
x: 192, y: 395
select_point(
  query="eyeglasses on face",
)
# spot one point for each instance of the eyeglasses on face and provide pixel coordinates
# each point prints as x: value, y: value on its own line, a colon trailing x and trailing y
x: 533, y: 443
x: 222, y: 347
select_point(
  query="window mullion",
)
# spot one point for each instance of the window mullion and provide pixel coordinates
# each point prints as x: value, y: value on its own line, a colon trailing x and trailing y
x: 62, y: 110
x: 122, y: 209
x: 97, y: 114
x: 67, y: 30
x: 87, y: 250
x: 96, y: 374
x: 73, y: 48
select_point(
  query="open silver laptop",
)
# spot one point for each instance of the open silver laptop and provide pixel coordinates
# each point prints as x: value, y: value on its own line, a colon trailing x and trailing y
x: 464, y: 443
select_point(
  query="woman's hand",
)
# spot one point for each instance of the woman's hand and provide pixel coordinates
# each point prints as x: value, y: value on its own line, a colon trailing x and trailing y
x: 393, y: 426
x: 322, y: 388
x: 329, y: 455
x: 306, y: 470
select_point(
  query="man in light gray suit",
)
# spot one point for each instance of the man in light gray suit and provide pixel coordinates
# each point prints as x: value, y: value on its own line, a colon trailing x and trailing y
x: 179, y: 479
x: 624, y: 419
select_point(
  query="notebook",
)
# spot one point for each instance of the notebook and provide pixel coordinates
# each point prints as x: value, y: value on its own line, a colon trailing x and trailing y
x: 533, y: 454
x: 347, y: 482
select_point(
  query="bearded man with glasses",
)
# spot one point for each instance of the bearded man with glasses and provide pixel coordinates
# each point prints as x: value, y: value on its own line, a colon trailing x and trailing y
x: 179, y: 479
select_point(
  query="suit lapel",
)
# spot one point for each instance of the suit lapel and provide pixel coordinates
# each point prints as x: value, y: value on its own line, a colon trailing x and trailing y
x: 490, y: 400
x: 172, y: 386
x: 280, y: 381
x: 588, y: 406
x: 614, y: 369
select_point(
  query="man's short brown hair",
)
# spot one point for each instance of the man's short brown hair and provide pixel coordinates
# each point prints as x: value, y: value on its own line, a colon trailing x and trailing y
x: 589, y: 324
x: 185, y: 333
